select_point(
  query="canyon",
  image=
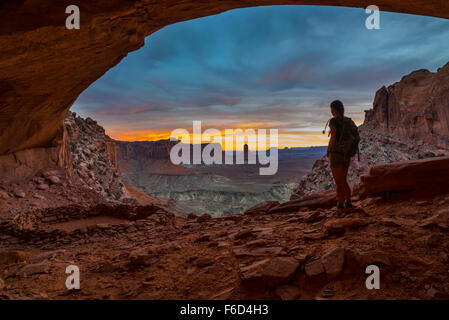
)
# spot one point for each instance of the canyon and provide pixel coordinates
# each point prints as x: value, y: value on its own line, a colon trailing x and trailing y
x: 215, y: 189
x: 64, y: 198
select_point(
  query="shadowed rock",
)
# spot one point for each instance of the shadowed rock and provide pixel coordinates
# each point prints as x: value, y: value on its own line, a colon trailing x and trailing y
x: 419, y: 175
x: 314, y: 201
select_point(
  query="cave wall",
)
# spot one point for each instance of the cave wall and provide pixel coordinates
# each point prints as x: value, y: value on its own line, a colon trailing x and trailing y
x: 25, y: 164
x: 44, y: 67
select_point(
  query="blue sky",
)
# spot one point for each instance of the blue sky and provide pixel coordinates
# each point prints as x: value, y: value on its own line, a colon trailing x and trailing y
x: 264, y: 67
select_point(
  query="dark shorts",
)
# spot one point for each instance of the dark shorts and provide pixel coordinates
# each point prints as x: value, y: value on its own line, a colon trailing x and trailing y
x: 337, y: 160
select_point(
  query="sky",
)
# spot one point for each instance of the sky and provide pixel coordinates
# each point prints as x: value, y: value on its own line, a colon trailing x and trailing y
x: 275, y: 67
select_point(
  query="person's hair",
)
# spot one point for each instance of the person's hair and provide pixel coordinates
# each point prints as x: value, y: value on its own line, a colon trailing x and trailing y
x: 337, y: 105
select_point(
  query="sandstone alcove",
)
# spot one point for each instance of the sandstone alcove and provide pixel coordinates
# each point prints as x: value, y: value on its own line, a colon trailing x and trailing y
x: 43, y: 70
x: 44, y: 66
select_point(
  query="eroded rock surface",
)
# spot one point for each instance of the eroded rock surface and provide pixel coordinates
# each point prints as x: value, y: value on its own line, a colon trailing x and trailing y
x: 143, y: 252
x: 415, y: 107
x: 93, y: 158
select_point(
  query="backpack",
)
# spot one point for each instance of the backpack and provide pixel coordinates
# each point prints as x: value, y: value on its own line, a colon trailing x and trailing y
x: 349, y: 146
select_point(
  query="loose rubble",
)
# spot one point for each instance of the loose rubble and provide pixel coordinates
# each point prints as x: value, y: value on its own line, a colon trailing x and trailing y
x: 144, y: 252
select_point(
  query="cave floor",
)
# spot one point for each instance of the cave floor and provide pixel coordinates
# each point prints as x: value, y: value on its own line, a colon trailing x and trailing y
x: 257, y: 256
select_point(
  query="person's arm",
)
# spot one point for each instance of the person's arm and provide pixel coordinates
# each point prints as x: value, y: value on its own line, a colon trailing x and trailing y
x: 331, y: 140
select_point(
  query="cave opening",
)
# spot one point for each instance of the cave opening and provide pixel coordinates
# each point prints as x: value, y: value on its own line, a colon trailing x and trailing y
x: 253, y: 68
x: 100, y: 195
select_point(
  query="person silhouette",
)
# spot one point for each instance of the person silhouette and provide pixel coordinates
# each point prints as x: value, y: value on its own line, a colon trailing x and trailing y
x: 340, y: 129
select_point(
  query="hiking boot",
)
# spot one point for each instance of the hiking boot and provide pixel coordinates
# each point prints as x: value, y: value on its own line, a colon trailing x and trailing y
x: 340, y: 207
x: 348, y: 204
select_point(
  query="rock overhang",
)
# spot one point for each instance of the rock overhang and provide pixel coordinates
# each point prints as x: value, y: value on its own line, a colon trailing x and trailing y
x: 45, y: 67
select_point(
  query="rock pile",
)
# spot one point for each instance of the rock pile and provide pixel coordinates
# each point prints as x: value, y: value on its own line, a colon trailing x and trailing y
x: 93, y: 157
x: 146, y: 253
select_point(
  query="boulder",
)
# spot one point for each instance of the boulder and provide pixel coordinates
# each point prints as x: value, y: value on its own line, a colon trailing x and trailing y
x: 418, y: 175
x: 287, y: 292
x: 261, y: 208
x: 363, y: 258
x: 314, y: 201
x: 270, y: 272
x: 204, y: 262
x: 37, y: 268
x: 54, y: 180
x: 202, y: 238
x: 138, y: 257
x: 314, y: 268
x: 338, y: 225
x: 243, y: 234
x: 258, y: 252
x: 204, y: 217
x: 50, y: 173
x: 42, y: 186
x: 19, y: 193
x: 333, y: 262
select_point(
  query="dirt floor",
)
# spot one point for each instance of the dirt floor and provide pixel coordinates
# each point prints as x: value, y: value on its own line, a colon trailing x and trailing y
x: 296, y: 255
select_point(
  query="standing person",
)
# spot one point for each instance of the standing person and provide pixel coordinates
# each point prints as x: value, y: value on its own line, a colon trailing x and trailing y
x: 343, y: 145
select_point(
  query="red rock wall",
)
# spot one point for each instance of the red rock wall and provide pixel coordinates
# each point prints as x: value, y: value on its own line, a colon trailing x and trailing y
x: 27, y: 163
x: 111, y: 151
x: 417, y: 107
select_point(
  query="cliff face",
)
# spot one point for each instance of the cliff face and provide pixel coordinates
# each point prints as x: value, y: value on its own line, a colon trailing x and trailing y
x: 154, y: 149
x: 24, y: 164
x: 417, y: 107
x: 140, y: 158
x: 216, y: 189
x: 94, y: 159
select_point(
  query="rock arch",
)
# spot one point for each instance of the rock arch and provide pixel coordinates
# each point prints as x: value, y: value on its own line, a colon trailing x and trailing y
x: 44, y: 67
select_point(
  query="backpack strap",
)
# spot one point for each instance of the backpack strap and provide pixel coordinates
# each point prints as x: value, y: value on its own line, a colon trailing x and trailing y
x: 342, y: 130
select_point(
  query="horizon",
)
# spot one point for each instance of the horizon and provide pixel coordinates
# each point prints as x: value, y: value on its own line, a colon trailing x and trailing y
x: 205, y: 143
